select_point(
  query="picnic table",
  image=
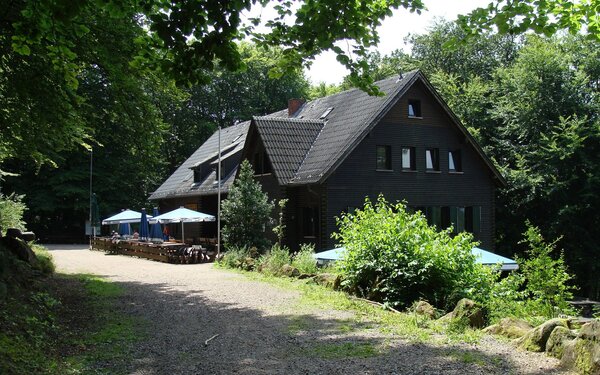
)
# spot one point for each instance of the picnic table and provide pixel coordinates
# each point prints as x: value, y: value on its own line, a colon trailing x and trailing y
x: 586, y: 307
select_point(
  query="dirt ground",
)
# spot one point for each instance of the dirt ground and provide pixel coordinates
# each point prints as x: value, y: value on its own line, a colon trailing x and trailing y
x: 254, y: 328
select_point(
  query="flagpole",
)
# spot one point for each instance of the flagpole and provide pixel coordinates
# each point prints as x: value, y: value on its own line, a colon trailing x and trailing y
x: 219, y: 198
x: 91, y: 169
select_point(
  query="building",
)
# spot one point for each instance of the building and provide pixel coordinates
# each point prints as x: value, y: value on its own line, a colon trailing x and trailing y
x: 328, y: 154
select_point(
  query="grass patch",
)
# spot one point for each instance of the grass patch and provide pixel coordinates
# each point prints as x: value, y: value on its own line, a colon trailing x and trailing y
x: 106, y: 346
x: 343, y: 350
x: 409, y: 326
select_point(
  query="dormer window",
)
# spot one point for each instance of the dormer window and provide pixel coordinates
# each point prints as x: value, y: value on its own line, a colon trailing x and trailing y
x: 414, y: 108
x: 197, y: 175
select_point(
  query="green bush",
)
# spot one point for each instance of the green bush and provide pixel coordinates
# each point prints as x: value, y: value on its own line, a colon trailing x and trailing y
x: 304, y: 260
x: 234, y: 257
x: 246, y: 212
x: 272, y: 262
x: 539, y: 289
x: 395, y: 257
x: 11, y: 212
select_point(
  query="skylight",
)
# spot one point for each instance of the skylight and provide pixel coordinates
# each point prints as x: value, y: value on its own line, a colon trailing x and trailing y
x: 327, y: 111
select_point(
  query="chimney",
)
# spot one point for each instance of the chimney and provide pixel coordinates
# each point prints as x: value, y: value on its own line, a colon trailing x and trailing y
x: 294, y: 105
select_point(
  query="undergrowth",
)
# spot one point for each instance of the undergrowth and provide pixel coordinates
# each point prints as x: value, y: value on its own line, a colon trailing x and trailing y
x: 61, y: 324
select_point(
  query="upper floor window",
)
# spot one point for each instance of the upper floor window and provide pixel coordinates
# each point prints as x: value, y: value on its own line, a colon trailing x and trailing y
x: 432, y: 159
x: 414, y: 108
x: 408, y: 159
x: 384, y: 157
x: 261, y: 163
x: 454, y: 161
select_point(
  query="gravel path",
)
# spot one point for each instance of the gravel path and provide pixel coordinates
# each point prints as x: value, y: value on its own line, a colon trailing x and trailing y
x: 261, y: 331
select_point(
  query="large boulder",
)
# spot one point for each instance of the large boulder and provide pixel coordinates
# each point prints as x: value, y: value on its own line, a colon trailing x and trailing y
x: 469, y: 311
x: 509, y: 327
x: 20, y: 249
x: 535, y: 340
x: 583, y: 353
x: 557, y: 341
x: 424, y: 308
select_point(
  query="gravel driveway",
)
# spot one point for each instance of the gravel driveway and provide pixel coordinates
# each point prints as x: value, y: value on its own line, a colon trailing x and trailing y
x: 259, y: 331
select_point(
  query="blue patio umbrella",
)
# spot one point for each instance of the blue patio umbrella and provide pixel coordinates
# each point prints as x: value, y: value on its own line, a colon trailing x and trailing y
x: 155, y: 229
x: 124, y: 229
x: 144, y: 231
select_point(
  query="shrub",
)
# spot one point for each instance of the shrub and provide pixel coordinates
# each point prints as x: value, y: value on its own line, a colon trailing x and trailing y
x: 11, y: 212
x: 538, y: 289
x: 233, y: 257
x: 246, y: 212
x: 395, y: 257
x: 272, y: 262
x: 304, y: 261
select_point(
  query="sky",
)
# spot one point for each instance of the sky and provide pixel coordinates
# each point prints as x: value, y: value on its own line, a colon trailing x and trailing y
x: 392, y: 32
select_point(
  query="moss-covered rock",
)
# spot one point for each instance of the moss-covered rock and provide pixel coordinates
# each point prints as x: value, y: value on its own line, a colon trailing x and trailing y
x: 289, y: 271
x: 535, y: 340
x: 582, y: 355
x: 557, y: 341
x: 471, y: 311
x: 328, y: 280
x: 424, y: 308
x: 590, y: 331
x: 509, y: 327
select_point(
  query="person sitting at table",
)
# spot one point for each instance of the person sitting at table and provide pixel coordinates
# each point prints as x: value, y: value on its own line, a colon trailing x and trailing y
x: 136, y: 235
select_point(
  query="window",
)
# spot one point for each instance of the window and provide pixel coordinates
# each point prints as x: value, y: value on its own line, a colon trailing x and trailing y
x: 414, y: 108
x: 310, y: 221
x: 197, y: 175
x: 454, y: 217
x: 432, y: 159
x: 384, y: 157
x: 473, y: 219
x: 454, y: 161
x: 261, y: 163
x: 408, y: 159
x: 434, y: 216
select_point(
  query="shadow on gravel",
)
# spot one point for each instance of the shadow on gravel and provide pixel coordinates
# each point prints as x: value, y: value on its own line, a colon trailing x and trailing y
x: 188, y: 333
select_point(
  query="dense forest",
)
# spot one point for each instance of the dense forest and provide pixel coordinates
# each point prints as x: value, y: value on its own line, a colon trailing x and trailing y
x: 531, y: 101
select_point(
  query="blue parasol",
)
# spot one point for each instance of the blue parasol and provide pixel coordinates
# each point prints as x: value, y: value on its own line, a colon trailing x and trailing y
x: 124, y: 229
x: 144, y: 232
x: 155, y: 229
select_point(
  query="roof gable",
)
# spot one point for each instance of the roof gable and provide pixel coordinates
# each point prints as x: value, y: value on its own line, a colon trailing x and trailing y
x: 286, y: 141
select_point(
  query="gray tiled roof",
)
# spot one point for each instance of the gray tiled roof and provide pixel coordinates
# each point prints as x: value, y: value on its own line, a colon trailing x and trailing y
x: 287, y: 140
x: 181, y: 182
x: 352, y: 114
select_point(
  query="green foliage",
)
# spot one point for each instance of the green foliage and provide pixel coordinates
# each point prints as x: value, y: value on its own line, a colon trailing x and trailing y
x: 279, y: 229
x: 395, y: 257
x: 273, y: 261
x: 304, y: 261
x: 539, y: 289
x: 234, y: 257
x: 12, y: 209
x: 246, y: 212
x: 542, y: 17
x: 45, y: 262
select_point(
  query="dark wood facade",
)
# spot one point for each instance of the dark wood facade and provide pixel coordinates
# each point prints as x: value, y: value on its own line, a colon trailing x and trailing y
x: 357, y: 177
